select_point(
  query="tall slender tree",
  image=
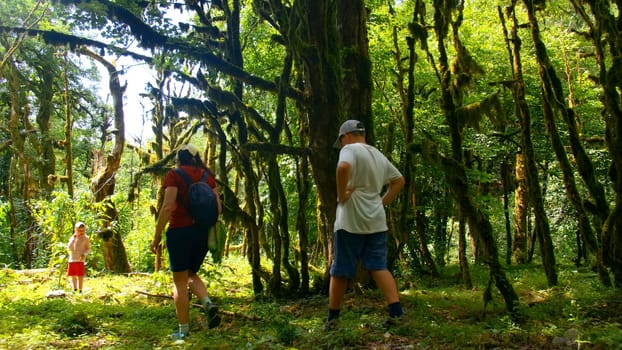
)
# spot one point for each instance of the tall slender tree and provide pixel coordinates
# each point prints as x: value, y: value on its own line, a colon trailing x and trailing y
x: 606, y: 39
x: 552, y: 96
x: 453, y: 165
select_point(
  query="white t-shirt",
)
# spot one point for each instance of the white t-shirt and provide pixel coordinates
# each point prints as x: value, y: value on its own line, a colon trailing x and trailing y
x: 370, y: 170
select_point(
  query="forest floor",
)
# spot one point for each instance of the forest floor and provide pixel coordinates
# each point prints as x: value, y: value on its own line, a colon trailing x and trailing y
x: 135, y: 311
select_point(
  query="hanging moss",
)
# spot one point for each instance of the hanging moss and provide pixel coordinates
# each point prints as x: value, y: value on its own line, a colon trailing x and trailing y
x: 464, y: 67
x: 472, y: 114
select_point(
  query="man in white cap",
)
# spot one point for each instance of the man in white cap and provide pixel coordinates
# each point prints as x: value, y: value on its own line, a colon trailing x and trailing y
x: 360, y: 232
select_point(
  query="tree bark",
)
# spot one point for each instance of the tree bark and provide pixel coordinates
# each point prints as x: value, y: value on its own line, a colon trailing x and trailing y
x: 45, y: 94
x: 421, y: 227
x: 552, y: 96
x: 68, y: 143
x: 455, y: 170
x: 606, y: 38
x: 19, y: 129
x: 533, y: 186
x: 357, y: 80
x: 521, y: 212
x: 320, y: 59
x: 280, y: 127
x: 480, y: 225
x: 506, y: 181
x: 303, y: 183
x: 406, y: 93
x: 462, y: 256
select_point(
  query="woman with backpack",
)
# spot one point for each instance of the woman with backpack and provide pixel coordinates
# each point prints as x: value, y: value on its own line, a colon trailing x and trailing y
x: 185, y: 241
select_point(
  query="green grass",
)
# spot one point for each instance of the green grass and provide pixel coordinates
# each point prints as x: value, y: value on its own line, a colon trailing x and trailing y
x: 113, y: 313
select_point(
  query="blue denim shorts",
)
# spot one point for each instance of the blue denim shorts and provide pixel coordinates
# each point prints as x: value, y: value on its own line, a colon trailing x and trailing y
x: 187, y: 248
x: 349, y: 248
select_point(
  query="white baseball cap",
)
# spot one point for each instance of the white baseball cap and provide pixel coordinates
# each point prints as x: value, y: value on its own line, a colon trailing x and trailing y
x: 190, y: 148
x: 348, y: 126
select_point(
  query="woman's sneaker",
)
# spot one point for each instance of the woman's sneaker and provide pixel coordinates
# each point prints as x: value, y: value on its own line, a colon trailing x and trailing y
x: 213, y: 318
x: 179, y: 336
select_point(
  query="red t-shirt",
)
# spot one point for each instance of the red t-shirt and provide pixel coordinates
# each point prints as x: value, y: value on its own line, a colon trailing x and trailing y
x: 180, y: 216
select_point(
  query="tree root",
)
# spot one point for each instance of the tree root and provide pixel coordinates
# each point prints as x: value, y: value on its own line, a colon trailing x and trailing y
x: 220, y: 311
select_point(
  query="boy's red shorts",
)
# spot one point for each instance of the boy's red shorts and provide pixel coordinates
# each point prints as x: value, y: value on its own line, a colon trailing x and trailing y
x: 75, y: 268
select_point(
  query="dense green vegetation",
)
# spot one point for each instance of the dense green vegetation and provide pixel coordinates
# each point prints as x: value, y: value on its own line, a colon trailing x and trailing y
x: 504, y: 117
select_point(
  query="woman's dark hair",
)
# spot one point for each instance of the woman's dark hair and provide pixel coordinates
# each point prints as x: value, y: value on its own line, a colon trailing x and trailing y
x: 185, y: 158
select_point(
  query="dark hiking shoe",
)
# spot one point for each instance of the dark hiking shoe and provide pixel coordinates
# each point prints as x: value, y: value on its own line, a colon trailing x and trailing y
x: 394, y: 322
x: 213, y: 318
x: 331, y: 325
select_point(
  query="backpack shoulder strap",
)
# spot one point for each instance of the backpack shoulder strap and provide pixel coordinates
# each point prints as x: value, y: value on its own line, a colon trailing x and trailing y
x: 187, y: 178
x: 205, y: 176
x: 184, y: 176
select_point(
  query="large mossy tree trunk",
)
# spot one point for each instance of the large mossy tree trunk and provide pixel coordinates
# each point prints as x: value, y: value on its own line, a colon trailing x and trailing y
x: 320, y: 56
x: 356, y: 64
x: 329, y: 46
